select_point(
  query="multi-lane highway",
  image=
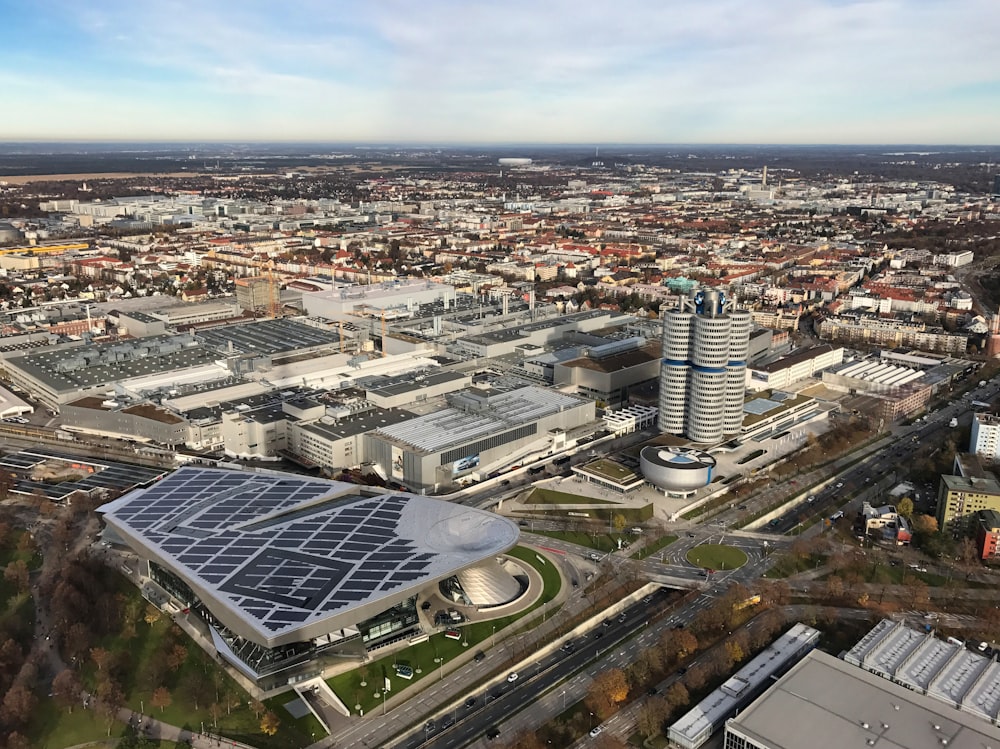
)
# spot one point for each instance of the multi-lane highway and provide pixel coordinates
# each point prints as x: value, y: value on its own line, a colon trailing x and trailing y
x: 488, y: 707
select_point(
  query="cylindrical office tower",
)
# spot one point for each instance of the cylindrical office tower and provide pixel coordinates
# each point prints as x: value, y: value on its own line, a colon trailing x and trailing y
x: 675, y: 368
x: 739, y: 346
x: 707, y: 394
x: 705, y: 345
x: 706, y: 405
x: 735, y: 392
x: 673, y: 397
x: 677, y: 327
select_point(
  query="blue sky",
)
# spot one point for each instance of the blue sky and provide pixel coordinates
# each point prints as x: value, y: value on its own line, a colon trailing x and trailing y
x: 542, y: 71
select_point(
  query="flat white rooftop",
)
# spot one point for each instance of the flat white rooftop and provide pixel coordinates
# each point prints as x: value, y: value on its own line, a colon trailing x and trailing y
x: 493, y: 414
x: 825, y: 703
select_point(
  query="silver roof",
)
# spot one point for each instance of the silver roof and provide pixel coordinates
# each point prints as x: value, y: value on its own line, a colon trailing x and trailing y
x: 486, y: 416
x: 825, y: 703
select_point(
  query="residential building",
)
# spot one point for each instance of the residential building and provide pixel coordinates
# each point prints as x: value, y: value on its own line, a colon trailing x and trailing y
x: 960, y: 498
x: 985, y: 437
x: 988, y: 534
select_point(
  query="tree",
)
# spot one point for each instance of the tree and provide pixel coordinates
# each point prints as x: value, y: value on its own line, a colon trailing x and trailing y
x: 652, y: 716
x: 161, y: 698
x: 609, y: 689
x: 968, y: 556
x: 18, y: 741
x: 66, y: 688
x: 176, y: 657
x: 677, y: 696
x: 925, y: 524
x: 16, y: 573
x: 269, y: 723
x: 696, y: 677
x: 152, y: 615
x: 619, y: 522
x: 734, y: 653
x: 904, y: 507
x: 678, y: 644
x: 18, y: 705
x: 100, y: 657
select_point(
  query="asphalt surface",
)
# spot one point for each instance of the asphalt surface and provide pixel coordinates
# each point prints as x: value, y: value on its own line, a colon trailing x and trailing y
x: 492, y: 705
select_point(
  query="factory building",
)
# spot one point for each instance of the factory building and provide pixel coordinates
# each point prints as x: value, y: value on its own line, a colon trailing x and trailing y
x: 477, y: 432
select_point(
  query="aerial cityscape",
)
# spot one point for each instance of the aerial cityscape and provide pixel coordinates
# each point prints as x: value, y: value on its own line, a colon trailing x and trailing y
x: 521, y: 376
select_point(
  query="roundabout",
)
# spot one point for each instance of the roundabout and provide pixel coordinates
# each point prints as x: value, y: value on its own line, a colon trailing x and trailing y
x: 717, y: 557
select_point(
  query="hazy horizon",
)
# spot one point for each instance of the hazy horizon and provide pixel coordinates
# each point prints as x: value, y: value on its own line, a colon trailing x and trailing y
x: 688, y: 72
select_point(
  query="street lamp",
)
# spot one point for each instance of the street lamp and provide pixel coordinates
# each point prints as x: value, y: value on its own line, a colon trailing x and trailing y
x: 493, y: 637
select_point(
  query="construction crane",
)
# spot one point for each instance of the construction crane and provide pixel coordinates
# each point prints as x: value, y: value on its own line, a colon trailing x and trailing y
x: 383, y: 333
x: 273, y: 292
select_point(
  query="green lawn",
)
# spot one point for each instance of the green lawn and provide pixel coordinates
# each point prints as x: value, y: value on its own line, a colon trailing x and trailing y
x: 52, y: 727
x: 653, y: 548
x: 553, y: 497
x: 789, y: 564
x: 198, y: 673
x: 422, y: 655
x: 717, y: 557
x: 600, y: 541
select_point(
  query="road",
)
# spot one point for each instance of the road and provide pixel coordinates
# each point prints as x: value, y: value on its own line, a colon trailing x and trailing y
x: 566, y: 676
x: 499, y: 701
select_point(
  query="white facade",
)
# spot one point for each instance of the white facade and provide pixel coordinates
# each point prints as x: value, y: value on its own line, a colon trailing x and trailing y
x: 401, y: 297
x: 985, y: 438
x: 782, y: 373
x: 703, y: 371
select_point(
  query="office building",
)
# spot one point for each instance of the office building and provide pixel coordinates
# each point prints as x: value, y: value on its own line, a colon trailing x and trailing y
x: 703, y: 371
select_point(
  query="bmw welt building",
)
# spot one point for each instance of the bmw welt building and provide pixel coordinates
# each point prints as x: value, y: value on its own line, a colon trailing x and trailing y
x: 278, y: 569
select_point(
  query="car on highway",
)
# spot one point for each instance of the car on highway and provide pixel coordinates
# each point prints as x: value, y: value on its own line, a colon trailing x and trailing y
x: 512, y: 677
x: 595, y: 731
x: 479, y: 656
x: 493, y: 733
x: 471, y: 702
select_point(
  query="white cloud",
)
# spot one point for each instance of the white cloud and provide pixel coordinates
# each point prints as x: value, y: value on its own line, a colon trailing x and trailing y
x: 686, y: 70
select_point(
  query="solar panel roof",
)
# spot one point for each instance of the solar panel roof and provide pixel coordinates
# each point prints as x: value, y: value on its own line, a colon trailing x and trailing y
x: 271, y: 554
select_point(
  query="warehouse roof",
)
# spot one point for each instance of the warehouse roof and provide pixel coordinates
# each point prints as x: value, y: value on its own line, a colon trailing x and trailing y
x: 824, y: 703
